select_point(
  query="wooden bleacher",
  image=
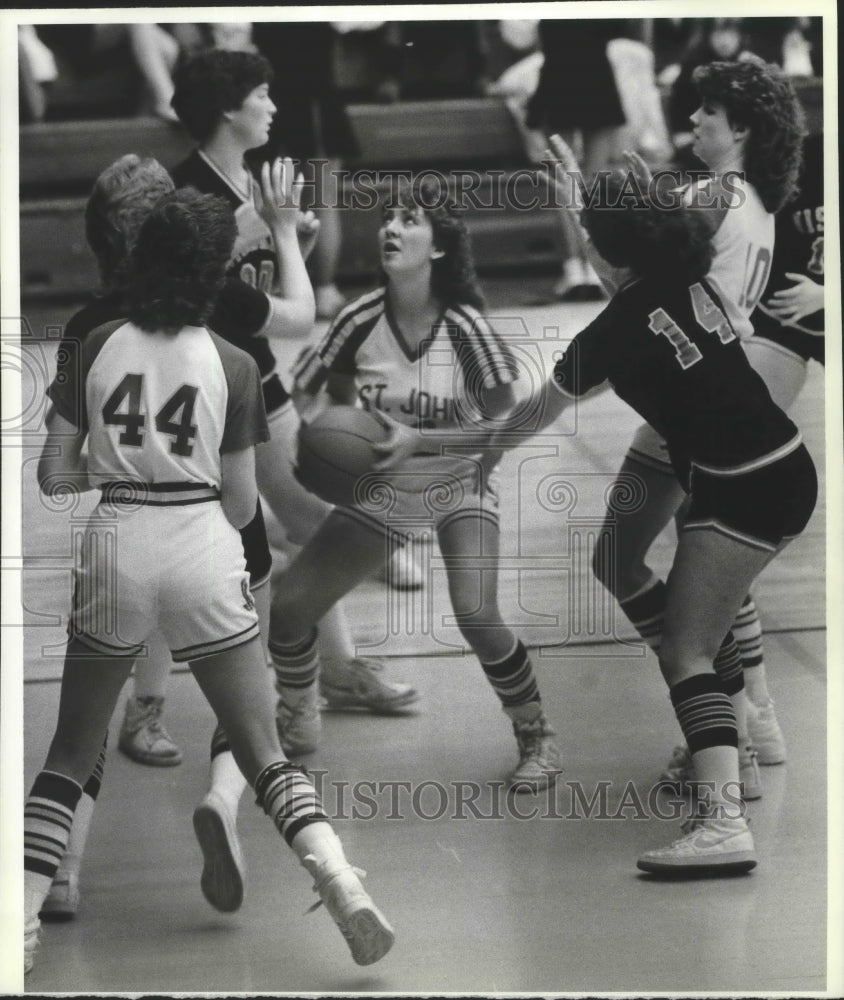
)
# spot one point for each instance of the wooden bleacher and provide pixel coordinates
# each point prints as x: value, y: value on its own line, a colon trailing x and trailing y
x: 59, y: 162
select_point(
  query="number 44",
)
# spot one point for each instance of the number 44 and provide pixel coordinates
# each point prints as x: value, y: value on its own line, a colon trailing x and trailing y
x: 709, y: 316
x: 130, y: 390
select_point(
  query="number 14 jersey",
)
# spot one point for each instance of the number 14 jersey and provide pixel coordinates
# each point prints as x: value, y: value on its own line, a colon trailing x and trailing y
x: 671, y: 353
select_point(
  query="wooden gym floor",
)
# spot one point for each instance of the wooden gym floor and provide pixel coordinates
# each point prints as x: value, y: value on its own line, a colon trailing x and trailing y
x: 483, y: 900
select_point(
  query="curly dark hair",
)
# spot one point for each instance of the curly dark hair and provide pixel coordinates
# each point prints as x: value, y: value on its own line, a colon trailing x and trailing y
x: 631, y: 230
x: 122, y: 198
x: 760, y: 96
x: 213, y: 82
x: 179, y: 263
x: 453, y: 277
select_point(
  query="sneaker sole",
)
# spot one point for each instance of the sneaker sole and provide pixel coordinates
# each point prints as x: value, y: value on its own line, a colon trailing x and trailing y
x: 368, y: 935
x: 57, y: 911
x: 150, y: 759
x: 335, y: 700
x: 532, y: 786
x: 736, y: 863
x: 222, y: 876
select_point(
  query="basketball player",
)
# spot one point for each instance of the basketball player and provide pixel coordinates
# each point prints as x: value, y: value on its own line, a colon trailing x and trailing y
x: 222, y: 98
x: 171, y: 414
x: 666, y: 345
x: 385, y: 352
x: 748, y: 130
x: 122, y: 197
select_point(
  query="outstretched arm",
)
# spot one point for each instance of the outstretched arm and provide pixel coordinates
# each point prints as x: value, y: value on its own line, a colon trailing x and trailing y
x: 277, y: 201
x: 567, y: 180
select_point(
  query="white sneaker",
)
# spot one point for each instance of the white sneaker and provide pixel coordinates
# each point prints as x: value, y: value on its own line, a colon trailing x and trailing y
x: 679, y: 773
x: 223, y: 870
x: 62, y: 901
x: 360, y: 683
x: 710, y: 845
x: 297, y: 719
x: 539, y: 758
x: 143, y: 737
x: 765, y: 733
x: 30, y: 943
x: 361, y: 923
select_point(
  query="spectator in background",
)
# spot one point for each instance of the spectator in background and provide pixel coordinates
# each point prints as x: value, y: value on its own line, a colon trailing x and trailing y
x: 111, y: 69
x: 36, y: 69
x: 310, y: 125
x: 577, y: 98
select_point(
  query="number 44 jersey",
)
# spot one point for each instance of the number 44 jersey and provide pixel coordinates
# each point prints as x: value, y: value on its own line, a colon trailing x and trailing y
x: 159, y: 408
x: 670, y: 352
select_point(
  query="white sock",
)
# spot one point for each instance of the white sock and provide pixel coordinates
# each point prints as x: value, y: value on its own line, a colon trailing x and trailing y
x: 319, y: 841
x: 226, y: 779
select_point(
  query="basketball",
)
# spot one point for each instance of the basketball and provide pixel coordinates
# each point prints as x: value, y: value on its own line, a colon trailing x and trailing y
x: 335, y: 450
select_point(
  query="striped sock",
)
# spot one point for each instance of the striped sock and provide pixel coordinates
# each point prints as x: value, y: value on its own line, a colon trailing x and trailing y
x: 705, y: 712
x: 72, y: 860
x: 287, y: 795
x: 47, y: 819
x: 748, y: 632
x: 296, y: 665
x: 219, y: 742
x: 646, y: 611
x: 728, y: 666
x: 512, y: 678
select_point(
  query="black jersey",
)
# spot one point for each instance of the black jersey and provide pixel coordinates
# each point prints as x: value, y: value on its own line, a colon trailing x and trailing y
x: 240, y: 313
x: 671, y: 353
x: 254, y: 262
x: 799, y: 238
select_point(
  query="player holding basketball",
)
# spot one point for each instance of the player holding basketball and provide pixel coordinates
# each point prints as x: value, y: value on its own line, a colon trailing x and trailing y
x: 171, y: 415
x: 748, y: 130
x: 386, y: 352
x: 222, y: 98
x: 667, y: 347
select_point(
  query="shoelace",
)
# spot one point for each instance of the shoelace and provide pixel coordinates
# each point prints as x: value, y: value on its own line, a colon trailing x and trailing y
x: 321, y: 881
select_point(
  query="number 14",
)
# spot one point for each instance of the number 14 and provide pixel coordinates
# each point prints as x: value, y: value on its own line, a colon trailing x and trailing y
x: 708, y: 315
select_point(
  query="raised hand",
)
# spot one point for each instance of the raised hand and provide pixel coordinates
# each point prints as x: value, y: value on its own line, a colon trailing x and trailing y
x: 277, y: 197
x: 639, y: 168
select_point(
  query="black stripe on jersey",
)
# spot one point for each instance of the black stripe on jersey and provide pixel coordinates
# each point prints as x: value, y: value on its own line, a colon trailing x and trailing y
x: 344, y: 337
x: 488, y: 351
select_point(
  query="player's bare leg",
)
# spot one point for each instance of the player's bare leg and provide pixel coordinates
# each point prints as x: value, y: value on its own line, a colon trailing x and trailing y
x: 91, y: 684
x: 707, y: 583
x: 236, y: 685
x: 470, y: 547
x: 342, y: 553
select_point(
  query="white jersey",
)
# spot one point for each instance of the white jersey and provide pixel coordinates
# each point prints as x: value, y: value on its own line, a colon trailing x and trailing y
x: 434, y: 386
x: 743, y: 250
x: 161, y: 408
